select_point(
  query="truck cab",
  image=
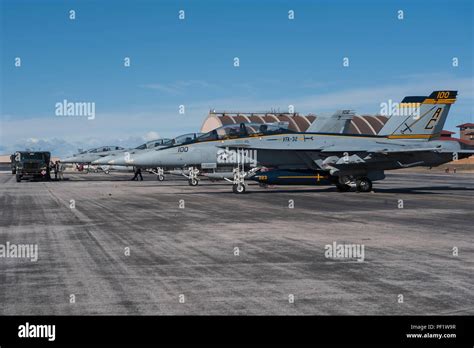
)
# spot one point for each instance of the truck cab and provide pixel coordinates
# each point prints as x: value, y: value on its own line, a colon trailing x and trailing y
x: 31, y: 164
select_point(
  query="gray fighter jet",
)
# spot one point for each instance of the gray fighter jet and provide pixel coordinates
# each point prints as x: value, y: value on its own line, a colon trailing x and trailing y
x: 122, y: 160
x: 202, y: 155
x: 88, y: 156
x: 356, y: 160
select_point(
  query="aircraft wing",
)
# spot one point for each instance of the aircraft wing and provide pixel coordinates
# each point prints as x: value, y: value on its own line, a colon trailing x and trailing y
x: 466, y: 151
x: 271, y: 144
x: 381, y: 148
x: 302, y: 146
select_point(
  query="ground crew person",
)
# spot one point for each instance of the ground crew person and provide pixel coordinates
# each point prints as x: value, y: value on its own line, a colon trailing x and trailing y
x: 56, y: 169
x: 138, y: 172
x: 60, y: 170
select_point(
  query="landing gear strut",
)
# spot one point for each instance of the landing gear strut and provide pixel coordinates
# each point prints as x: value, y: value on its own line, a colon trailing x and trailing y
x: 238, y: 185
x: 160, y: 174
x: 193, y: 176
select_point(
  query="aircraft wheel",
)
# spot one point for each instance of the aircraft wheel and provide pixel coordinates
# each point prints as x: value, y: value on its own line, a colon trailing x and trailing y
x: 107, y: 172
x: 193, y: 182
x: 364, y: 185
x: 162, y: 177
x: 18, y: 178
x: 238, y: 188
x: 343, y: 187
x: 13, y: 171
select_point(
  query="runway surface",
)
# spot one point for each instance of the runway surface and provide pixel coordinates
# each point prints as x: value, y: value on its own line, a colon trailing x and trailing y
x: 191, y: 251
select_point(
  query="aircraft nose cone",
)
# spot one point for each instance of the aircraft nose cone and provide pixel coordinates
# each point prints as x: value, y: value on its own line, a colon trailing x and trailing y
x: 143, y: 159
x: 102, y: 160
x: 68, y: 159
x: 121, y: 160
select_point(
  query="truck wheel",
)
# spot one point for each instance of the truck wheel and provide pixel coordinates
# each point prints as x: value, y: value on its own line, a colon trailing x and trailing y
x: 18, y: 177
x: 364, y: 185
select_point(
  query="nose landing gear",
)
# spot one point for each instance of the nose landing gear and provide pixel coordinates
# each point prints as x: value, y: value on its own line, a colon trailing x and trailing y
x: 160, y: 176
x: 193, y: 176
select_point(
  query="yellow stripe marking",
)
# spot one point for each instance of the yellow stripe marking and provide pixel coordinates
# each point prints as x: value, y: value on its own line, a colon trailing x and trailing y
x: 409, y: 105
x: 439, y: 101
x: 413, y: 136
x: 303, y: 177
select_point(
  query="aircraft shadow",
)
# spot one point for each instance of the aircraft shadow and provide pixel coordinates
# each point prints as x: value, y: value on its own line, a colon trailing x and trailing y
x: 422, y: 190
x: 426, y: 190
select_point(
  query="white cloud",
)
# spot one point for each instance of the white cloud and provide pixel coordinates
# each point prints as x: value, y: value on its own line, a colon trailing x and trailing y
x: 151, y: 136
x: 177, y: 87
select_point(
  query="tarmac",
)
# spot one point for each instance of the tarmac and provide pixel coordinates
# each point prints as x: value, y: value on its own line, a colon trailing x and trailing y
x: 108, y: 245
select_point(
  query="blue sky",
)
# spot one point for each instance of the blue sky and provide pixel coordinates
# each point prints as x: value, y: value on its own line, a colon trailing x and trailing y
x: 190, y: 62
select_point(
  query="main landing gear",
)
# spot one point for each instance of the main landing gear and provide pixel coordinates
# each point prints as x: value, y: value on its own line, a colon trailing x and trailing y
x: 361, y: 184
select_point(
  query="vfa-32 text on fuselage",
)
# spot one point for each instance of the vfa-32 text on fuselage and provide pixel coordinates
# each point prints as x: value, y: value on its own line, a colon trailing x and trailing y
x: 357, y: 160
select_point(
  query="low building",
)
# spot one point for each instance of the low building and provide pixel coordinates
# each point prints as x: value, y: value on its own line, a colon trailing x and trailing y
x: 466, y: 132
x: 364, y: 124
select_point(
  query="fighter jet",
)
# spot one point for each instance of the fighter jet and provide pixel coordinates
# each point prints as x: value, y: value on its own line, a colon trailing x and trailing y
x: 349, y: 161
x: 202, y: 155
x: 88, y: 156
x: 122, y: 160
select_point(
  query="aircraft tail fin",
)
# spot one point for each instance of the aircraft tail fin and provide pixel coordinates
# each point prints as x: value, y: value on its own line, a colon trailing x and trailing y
x: 339, y: 122
x: 424, y: 117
